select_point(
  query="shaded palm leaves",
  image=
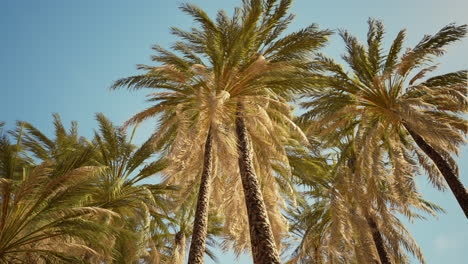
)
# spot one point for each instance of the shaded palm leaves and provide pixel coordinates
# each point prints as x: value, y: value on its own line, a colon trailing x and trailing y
x: 98, y: 184
x: 64, y: 146
x: 121, y: 188
x: 44, y: 217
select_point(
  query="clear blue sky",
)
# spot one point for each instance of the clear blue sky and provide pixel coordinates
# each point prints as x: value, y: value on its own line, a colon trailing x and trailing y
x: 61, y: 56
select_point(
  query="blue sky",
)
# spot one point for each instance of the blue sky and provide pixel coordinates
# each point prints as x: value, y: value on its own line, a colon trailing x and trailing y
x: 61, y: 56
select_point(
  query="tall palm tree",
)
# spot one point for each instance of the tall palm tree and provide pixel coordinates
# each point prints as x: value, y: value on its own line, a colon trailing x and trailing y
x: 383, y: 95
x: 257, y: 72
x: 191, y: 110
x: 261, y: 67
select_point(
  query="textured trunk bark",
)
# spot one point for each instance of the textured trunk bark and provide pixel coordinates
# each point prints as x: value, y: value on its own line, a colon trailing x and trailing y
x: 261, y: 236
x: 200, y: 225
x: 458, y: 190
x: 379, y: 242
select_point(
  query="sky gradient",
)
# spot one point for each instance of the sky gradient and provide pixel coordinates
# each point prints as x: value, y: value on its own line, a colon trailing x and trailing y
x: 61, y: 56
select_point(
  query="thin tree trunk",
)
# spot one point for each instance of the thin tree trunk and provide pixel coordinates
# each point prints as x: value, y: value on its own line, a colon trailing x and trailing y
x: 261, y: 236
x: 154, y: 256
x: 378, y: 241
x: 317, y: 256
x: 178, y: 255
x: 5, y: 199
x: 200, y: 225
x: 458, y: 190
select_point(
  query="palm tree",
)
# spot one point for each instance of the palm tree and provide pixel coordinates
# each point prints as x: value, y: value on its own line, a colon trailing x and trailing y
x: 259, y: 65
x: 383, y: 96
x: 257, y: 73
x: 340, y: 221
x: 43, y: 219
x: 120, y: 188
x: 117, y: 187
x: 190, y: 111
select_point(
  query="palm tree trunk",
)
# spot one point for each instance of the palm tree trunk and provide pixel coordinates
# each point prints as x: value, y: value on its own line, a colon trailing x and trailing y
x: 318, y: 256
x: 379, y: 242
x: 458, y: 190
x: 200, y: 225
x: 178, y: 255
x: 5, y: 201
x: 261, y: 236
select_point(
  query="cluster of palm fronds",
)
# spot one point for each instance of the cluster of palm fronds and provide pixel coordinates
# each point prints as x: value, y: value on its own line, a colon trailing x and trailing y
x: 236, y: 168
x: 73, y: 200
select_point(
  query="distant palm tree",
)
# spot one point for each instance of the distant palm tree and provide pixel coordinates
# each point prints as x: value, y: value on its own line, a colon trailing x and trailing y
x: 339, y: 220
x: 382, y: 96
x: 42, y: 218
x: 120, y: 188
x: 62, y: 147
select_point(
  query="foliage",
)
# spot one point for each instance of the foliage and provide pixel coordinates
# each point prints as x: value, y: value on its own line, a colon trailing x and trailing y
x: 336, y: 181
